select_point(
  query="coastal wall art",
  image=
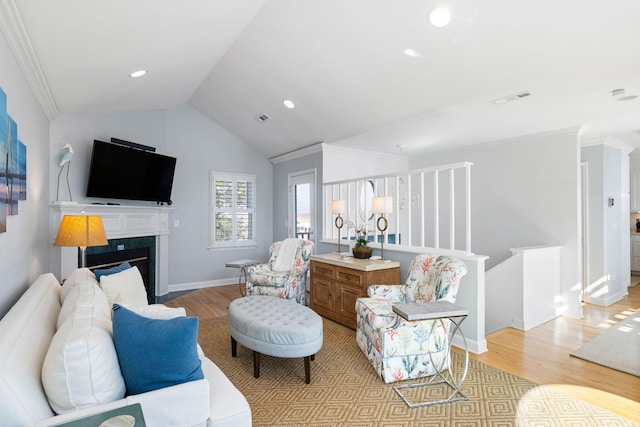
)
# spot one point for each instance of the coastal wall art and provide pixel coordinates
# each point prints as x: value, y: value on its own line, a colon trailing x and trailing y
x: 13, y: 165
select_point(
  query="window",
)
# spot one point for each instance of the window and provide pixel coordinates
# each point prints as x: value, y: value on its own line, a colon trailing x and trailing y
x: 233, y: 212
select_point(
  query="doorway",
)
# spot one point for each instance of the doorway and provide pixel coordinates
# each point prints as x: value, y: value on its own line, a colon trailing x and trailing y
x: 302, y: 207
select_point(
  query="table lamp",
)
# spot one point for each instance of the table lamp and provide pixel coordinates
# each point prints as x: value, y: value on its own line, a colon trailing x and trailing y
x: 82, y: 231
x: 338, y: 207
x: 382, y: 206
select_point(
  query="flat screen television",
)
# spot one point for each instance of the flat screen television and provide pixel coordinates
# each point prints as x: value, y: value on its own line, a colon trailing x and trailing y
x: 120, y: 172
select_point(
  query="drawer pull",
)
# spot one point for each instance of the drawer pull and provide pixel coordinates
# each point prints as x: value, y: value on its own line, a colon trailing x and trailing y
x: 348, y: 277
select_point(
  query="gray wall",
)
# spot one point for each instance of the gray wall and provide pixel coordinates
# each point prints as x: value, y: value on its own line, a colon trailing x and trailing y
x: 281, y: 173
x: 525, y: 192
x: 200, y: 146
x: 24, y: 247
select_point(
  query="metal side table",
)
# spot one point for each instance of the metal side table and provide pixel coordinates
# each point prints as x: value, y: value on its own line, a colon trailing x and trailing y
x: 242, y: 264
x: 440, y: 312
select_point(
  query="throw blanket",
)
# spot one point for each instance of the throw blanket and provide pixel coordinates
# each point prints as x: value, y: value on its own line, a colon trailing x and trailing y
x: 286, y: 255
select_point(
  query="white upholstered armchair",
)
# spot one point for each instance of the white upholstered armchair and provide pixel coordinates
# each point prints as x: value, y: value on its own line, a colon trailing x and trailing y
x: 285, y: 274
x: 398, y: 349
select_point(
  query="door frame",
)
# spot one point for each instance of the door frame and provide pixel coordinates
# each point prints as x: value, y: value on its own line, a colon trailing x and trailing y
x: 295, y: 178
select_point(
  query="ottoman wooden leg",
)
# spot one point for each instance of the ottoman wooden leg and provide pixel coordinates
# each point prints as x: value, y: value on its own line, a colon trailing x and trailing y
x: 234, y: 347
x: 256, y: 364
x: 307, y: 369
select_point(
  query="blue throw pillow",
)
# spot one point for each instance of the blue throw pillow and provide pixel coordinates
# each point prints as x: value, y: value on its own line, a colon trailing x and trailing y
x: 154, y: 353
x: 113, y: 270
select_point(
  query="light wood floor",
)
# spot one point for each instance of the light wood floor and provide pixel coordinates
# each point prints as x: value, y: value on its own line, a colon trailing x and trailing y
x: 540, y: 354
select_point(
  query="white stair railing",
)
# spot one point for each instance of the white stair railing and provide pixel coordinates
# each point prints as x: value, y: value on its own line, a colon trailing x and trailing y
x: 432, y: 207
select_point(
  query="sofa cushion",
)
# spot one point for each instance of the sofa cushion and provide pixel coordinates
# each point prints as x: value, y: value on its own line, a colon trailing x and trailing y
x: 154, y: 353
x: 126, y: 287
x: 81, y: 366
x: 86, y: 299
x: 79, y: 275
x: 113, y: 270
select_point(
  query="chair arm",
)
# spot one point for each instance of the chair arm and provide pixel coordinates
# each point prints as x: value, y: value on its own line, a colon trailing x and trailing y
x: 393, y: 293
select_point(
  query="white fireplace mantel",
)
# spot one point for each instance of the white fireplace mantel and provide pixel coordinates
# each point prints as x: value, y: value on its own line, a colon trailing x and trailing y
x: 120, y: 222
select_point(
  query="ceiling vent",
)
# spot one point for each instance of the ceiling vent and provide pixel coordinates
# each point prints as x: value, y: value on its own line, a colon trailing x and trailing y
x: 513, y: 97
x: 263, y: 118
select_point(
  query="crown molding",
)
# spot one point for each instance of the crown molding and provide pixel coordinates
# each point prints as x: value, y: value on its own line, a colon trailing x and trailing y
x: 312, y: 149
x: 372, y: 155
x: 17, y: 38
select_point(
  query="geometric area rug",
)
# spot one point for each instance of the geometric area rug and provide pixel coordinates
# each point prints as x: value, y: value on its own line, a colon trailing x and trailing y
x: 345, y: 390
x: 616, y: 348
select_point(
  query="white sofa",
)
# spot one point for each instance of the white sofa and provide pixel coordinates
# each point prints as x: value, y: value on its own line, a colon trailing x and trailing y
x: 26, y: 332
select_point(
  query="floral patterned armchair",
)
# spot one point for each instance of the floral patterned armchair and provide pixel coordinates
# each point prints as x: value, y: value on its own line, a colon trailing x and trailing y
x: 291, y: 284
x: 398, y: 349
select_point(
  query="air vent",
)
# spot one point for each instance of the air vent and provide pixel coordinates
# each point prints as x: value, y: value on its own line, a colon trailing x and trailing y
x: 263, y: 118
x: 513, y: 97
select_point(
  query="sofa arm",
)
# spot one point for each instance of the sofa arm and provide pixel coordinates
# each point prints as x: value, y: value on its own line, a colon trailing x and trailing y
x: 181, y: 405
x: 393, y: 293
x: 184, y: 404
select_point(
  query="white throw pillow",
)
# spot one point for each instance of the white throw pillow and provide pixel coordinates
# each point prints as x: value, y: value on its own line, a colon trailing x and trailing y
x: 86, y: 299
x: 158, y: 311
x: 79, y: 275
x: 81, y: 367
x: 126, y: 288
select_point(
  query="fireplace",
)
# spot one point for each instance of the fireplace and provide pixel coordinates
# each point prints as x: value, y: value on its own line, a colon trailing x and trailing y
x: 127, y: 227
x: 137, y: 251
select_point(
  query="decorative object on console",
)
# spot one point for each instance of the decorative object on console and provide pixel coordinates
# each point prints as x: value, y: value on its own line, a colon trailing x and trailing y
x: 361, y: 250
x: 382, y: 206
x: 82, y: 231
x: 65, y: 156
x: 337, y: 207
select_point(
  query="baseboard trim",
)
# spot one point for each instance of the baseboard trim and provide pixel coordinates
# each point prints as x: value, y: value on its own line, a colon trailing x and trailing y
x: 475, y: 347
x: 178, y: 287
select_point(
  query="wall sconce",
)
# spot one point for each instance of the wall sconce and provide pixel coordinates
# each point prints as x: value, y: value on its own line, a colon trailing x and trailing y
x: 338, y: 207
x: 382, y: 206
x: 82, y: 231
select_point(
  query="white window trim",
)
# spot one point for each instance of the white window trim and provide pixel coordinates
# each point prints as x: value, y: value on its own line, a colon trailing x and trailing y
x: 233, y: 243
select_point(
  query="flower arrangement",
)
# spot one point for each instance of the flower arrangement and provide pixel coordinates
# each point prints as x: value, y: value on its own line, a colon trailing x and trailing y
x: 361, y: 249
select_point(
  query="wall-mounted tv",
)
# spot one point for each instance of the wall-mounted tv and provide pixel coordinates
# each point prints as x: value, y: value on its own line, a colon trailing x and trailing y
x: 121, y: 172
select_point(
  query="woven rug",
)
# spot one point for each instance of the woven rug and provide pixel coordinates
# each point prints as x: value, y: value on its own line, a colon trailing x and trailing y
x: 345, y: 391
x: 617, y: 348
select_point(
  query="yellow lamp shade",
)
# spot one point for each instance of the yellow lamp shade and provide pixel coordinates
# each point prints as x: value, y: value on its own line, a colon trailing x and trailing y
x: 81, y: 230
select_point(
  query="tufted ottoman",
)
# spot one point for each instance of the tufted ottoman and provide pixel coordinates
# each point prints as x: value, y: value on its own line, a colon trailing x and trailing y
x: 275, y: 327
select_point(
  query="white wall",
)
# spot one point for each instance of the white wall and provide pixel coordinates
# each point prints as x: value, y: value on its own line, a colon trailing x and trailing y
x: 608, y: 236
x: 201, y: 146
x: 24, y: 247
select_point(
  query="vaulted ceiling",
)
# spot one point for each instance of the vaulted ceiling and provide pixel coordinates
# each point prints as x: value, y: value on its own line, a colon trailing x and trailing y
x: 342, y: 63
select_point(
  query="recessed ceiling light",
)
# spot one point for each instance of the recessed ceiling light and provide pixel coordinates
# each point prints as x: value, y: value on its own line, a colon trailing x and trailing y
x: 289, y: 103
x: 138, y: 73
x: 440, y: 17
x: 619, y: 95
x: 509, y: 98
x: 412, y: 53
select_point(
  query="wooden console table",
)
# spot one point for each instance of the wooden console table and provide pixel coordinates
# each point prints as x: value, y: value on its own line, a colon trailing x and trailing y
x: 337, y: 283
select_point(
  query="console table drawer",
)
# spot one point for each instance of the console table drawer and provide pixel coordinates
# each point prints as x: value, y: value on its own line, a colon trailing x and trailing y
x: 319, y: 269
x: 347, y: 275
